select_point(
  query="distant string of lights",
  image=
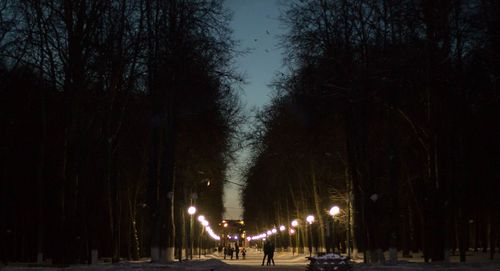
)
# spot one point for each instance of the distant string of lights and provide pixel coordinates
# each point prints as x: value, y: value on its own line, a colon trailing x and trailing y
x: 204, y: 222
x: 262, y: 236
x: 207, y: 227
x: 270, y: 232
x: 335, y: 210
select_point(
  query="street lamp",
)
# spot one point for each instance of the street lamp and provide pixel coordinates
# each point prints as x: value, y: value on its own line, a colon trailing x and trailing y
x: 310, y: 220
x: 294, y: 224
x: 191, y: 211
x: 274, y: 231
x: 282, y: 228
x: 204, y: 223
x: 335, y: 210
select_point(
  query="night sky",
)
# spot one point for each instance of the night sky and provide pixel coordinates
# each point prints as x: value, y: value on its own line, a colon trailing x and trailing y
x: 257, y: 27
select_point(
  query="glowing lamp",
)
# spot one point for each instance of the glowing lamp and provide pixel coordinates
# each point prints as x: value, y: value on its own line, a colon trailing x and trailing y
x: 335, y: 210
x: 191, y: 210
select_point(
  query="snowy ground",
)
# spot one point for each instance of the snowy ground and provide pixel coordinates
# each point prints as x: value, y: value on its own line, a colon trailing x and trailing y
x: 284, y: 262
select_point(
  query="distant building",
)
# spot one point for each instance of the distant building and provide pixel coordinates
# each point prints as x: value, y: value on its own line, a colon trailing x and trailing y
x: 232, y: 231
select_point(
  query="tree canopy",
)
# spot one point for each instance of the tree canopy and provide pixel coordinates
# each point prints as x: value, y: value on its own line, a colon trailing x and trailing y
x: 389, y: 111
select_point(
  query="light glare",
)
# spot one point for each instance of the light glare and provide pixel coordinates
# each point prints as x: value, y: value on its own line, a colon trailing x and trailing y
x: 335, y: 210
x: 191, y: 210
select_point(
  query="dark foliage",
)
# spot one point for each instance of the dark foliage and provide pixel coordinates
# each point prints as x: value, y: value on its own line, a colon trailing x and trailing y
x: 390, y: 112
x: 106, y: 109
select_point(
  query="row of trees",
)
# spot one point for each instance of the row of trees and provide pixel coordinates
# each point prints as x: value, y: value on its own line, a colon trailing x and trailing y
x: 115, y: 116
x: 390, y: 110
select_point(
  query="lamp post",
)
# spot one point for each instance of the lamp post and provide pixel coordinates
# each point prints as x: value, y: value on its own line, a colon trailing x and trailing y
x: 202, y: 220
x: 290, y: 233
x: 335, y: 210
x: 191, y: 211
x: 282, y: 228
x: 310, y: 220
x: 274, y: 231
x: 294, y: 224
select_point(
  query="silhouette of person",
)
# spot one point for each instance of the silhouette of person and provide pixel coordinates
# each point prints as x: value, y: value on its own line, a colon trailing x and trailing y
x: 231, y: 251
x: 237, y: 250
x: 225, y: 252
x: 266, y: 251
x: 270, y: 254
x: 243, y: 252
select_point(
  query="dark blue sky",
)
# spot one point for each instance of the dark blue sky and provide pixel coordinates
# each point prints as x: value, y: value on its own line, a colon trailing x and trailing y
x: 256, y: 26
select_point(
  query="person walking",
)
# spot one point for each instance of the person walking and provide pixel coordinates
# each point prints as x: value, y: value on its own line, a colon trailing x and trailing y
x: 225, y: 252
x: 266, y: 252
x: 237, y: 250
x: 231, y: 250
x: 243, y: 252
x: 270, y: 255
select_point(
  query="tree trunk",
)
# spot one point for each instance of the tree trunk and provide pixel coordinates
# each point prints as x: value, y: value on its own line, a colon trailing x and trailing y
x: 40, y: 177
x: 317, y: 205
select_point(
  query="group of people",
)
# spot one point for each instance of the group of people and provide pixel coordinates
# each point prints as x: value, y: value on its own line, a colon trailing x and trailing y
x: 268, y: 252
x: 229, y: 251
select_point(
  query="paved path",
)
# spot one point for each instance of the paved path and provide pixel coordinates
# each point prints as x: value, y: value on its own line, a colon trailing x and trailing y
x: 253, y: 261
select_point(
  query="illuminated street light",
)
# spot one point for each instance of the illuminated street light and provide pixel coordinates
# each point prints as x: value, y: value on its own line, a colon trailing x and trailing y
x: 204, y: 223
x: 335, y: 210
x: 295, y: 223
x: 269, y: 232
x: 225, y: 225
x: 201, y: 218
x: 191, y: 210
x: 274, y: 230
x: 282, y: 228
x: 292, y: 231
x: 310, y: 220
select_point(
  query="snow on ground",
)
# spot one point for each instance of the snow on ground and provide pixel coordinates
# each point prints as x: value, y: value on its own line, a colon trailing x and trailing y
x: 128, y: 266
x: 284, y: 262
x: 430, y: 267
